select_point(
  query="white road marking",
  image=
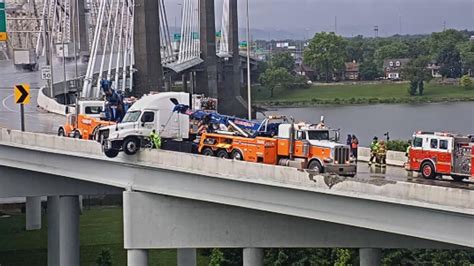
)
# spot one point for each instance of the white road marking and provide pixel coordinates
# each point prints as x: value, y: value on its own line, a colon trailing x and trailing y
x: 4, y: 103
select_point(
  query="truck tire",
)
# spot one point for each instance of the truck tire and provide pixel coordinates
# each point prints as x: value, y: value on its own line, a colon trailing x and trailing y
x: 316, y: 167
x: 131, y: 146
x: 237, y: 155
x: 222, y: 154
x: 207, y: 152
x: 77, y: 134
x: 458, y: 178
x: 111, y: 153
x: 61, y: 132
x: 427, y: 170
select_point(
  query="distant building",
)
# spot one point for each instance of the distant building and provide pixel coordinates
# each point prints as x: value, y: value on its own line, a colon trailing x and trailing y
x: 392, y: 67
x: 434, y: 68
x: 306, y: 71
x: 471, y: 38
x: 351, y: 71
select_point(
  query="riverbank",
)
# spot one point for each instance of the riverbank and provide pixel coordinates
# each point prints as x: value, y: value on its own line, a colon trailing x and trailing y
x: 384, y: 93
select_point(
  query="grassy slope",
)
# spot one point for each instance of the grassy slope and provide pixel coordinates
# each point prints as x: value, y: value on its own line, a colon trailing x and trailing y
x: 99, y: 229
x: 363, y: 94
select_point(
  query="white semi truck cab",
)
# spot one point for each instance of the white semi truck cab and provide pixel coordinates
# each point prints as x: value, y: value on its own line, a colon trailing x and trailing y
x: 152, y: 112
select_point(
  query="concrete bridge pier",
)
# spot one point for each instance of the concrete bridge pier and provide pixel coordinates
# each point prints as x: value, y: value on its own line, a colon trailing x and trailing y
x: 137, y: 257
x: 370, y: 256
x: 63, y: 231
x: 253, y: 257
x: 186, y: 257
x: 33, y: 213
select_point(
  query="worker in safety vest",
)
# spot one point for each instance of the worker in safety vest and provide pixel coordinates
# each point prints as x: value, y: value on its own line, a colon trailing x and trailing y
x: 382, y: 154
x: 155, y: 139
x: 373, y: 149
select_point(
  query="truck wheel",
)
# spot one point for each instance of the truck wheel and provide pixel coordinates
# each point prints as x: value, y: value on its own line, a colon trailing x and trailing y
x: 458, y: 178
x: 131, y: 146
x: 207, y: 152
x: 237, y: 155
x: 61, y: 132
x: 111, y: 153
x: 316, y: 167
x: 427, y: 170
x: 77, y: 134
x: 222, y: 154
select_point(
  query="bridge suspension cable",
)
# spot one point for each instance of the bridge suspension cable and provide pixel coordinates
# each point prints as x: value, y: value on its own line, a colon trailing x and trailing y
x: 189, y: 47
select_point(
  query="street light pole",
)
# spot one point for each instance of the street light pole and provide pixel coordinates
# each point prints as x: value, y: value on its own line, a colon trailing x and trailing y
x: 249, y: 87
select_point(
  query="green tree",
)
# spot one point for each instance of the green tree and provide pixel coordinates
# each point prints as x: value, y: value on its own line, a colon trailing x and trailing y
x: 417, y: 73
x: 283, y: 60
x: 355, y: 49
x: 104, y: 259
x: 466, y: 50
x: 394, y: 49
x: 216, y: 258
x: 466, y: 82
x: 369, y: 70
x: 444, y: 48
x: 274, y: 77
x: 327, y: 52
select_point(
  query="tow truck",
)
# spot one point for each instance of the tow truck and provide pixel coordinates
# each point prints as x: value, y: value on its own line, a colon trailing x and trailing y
x: 85, y: 122
x: 435, y: 154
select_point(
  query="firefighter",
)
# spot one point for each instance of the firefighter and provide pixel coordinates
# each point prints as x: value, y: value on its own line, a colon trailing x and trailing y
x: 373, y: 149
x: 382, y: 154
x: 408, y: 149
x: 155, y: 139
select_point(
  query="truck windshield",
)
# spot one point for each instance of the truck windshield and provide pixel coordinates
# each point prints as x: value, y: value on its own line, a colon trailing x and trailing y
x: 318, y: 135
x: 131, y: 117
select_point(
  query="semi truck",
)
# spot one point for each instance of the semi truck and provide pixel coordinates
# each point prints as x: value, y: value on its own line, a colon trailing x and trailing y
x: 180, y: 126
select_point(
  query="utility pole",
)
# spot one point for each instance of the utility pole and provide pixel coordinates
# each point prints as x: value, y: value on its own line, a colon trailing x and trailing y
x: 249, y: 86
x: 47, y: 45
x: 376, y: 31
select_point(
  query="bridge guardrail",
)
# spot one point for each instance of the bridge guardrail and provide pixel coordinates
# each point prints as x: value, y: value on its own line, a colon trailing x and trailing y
x: 50, y: 104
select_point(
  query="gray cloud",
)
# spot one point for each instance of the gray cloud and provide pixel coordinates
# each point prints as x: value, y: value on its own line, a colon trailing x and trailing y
x: 353, y: 16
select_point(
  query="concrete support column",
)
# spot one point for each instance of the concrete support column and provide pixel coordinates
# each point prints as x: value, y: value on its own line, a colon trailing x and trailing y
x: 83, y: 29
x: 137, y: 257
x: 63, y: 231
x: 207, y: 79
x: 187, y: 257
x: 53, y: 230
x: 253, y: 257
x: 33, y: 213
x: 370, y: 256
x: 184, y: 79
x: 147, y: 48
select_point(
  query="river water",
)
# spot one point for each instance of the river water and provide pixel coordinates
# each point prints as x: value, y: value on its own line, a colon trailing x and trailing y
x: 400, y: 120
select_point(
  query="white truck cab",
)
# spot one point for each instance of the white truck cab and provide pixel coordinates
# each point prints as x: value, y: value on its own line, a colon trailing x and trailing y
x: 151, y: 112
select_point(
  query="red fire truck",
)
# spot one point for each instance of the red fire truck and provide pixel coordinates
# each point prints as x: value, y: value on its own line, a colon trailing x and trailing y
x: 435, y: 154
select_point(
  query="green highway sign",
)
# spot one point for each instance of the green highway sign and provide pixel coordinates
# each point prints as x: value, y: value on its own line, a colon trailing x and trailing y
x: 3, y: 22
x: 177, y: 37
x: 243, y: 44
x: 219, y: 34
x: 195, y: 35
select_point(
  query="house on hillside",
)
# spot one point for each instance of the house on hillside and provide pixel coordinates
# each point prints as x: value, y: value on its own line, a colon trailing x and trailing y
x: 434, y: 68
x: 306, y: 71
x: 351, y: 71
x: 393, y: 67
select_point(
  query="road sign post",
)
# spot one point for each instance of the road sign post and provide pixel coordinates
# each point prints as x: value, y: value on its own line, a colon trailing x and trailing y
x: 22, y: 97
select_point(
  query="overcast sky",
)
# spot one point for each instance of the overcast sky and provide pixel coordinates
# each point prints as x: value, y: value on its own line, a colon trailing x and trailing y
x: 353, y: 16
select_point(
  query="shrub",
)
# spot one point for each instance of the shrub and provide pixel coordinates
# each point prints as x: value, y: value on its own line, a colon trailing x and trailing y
x: 397, y: 145
x: 466, y: 82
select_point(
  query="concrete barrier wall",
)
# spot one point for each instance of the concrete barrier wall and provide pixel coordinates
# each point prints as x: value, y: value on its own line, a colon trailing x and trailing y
x: 394, y: 158
x: 397, y: 192
x: 49, y: 104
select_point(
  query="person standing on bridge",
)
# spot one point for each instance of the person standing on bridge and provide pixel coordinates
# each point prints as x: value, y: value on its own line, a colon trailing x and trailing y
x: 382, y: 154
x: 155, y: 139
x: 354, y: 146
x: 373, y: 149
